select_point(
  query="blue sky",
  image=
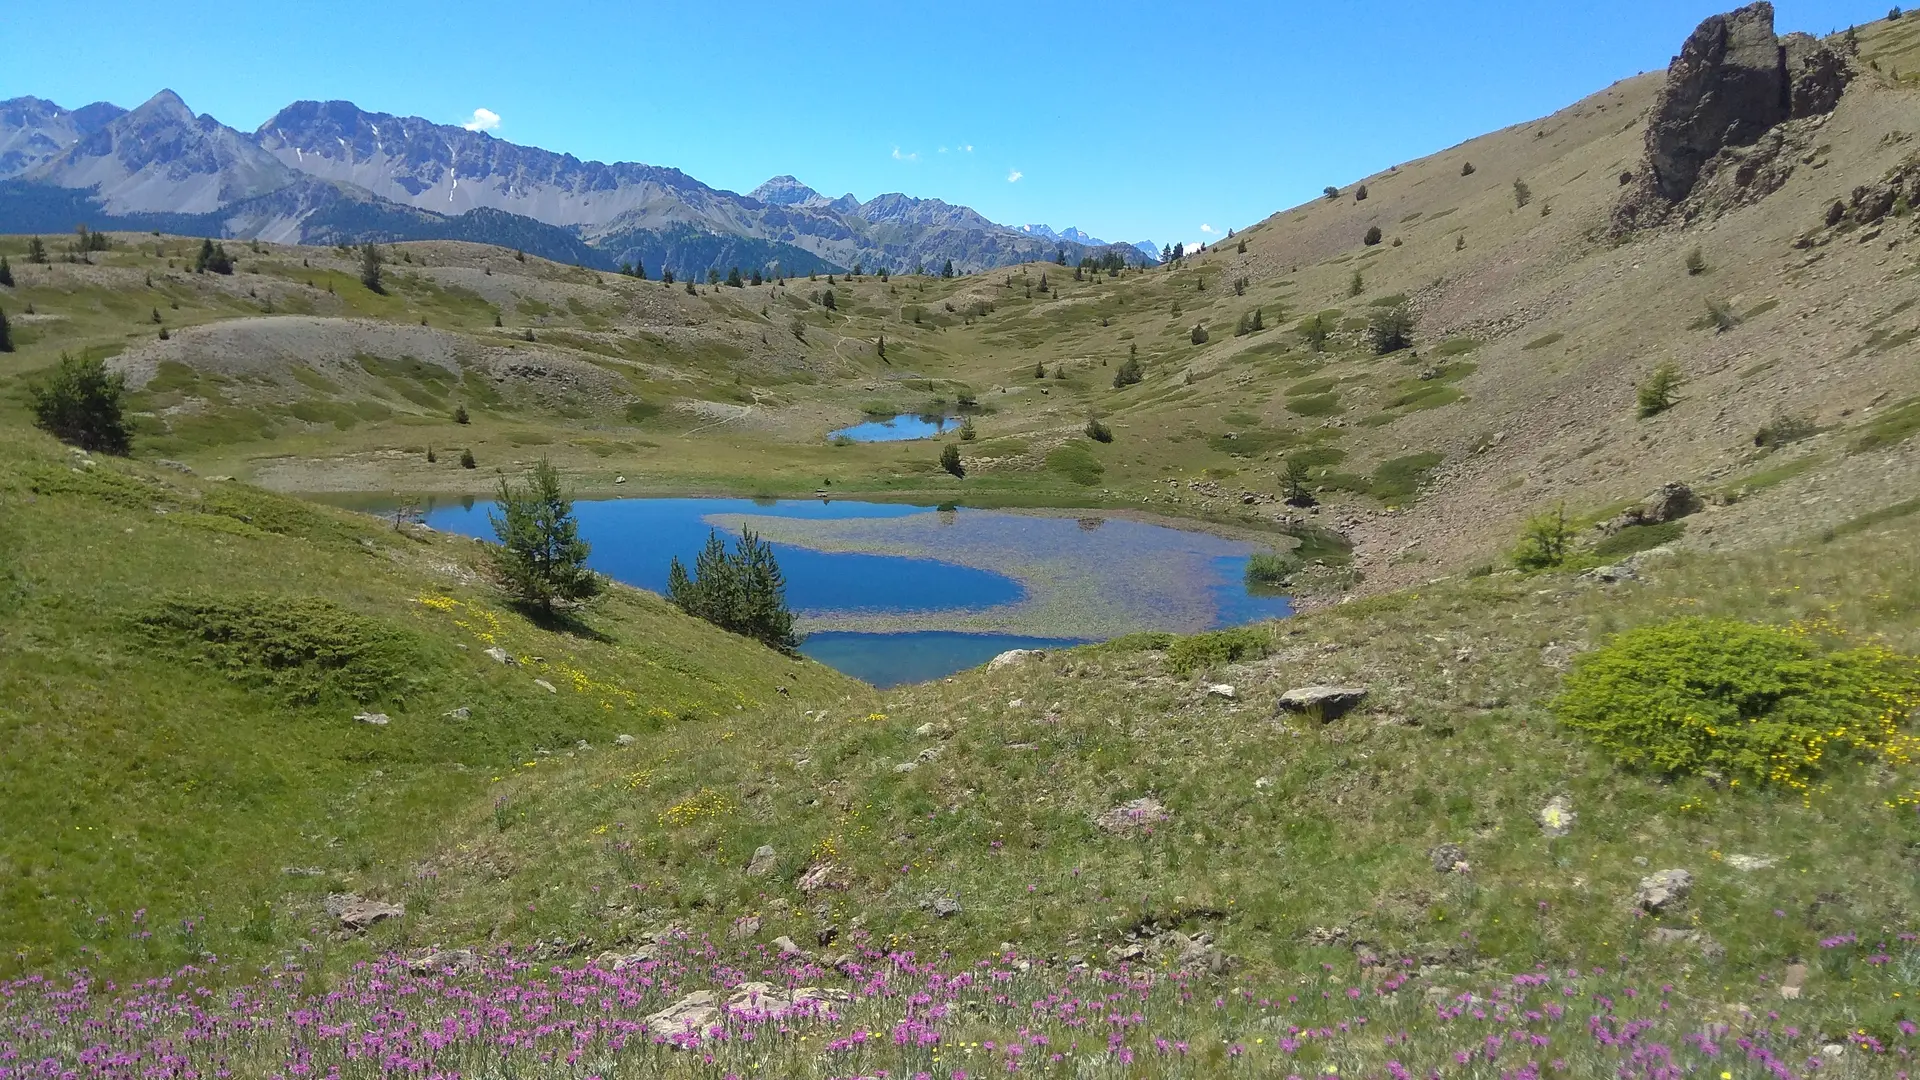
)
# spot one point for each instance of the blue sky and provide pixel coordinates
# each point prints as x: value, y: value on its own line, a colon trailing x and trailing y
x: 1132, y: 120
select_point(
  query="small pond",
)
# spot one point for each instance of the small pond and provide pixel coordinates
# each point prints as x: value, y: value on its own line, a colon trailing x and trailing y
x: 894, y: 594
x: 901, y: 428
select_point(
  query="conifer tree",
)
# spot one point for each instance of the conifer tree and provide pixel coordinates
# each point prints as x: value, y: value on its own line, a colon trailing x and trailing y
x: 370, y: 261
x: 6, y: 273
x: 541, y: 558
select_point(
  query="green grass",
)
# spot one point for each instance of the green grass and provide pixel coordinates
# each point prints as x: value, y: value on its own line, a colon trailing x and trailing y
x: 1890, y: 427
x: 1313, y: 405
x: 181, y: 691
x: 1637, y: 538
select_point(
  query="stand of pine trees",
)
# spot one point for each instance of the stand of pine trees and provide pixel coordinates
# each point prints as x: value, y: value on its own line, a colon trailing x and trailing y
x: 742, y: 591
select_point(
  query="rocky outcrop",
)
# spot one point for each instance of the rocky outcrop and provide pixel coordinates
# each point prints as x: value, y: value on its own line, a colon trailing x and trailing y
x: 1672, y: 501
x: 1715, y: 135
x: 1726, y: 88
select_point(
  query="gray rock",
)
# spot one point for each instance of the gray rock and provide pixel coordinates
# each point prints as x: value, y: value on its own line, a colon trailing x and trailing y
x: 1673, y: 501
x: 357, y: 913
x: 1610, y: 575
x: 176, y: 466
x: 1747, y: 864
x: 787, y: 947
x: 303, y: 871
x: 377, y: 719
x: 1557, y: 817
x: 623, y: 740
x: 1328, y: 703
x: 1727, y: 87
x: 545, y: 685
x: 926, y: 730
x: 1221, y: 690
x: 764, y: 860
x: 461, y: 713
x: 1663, y: 891
x: 1449, y: 858
x: 501, y: 656
x: 1128, y: 817
x: 445, y: 962
x: 744, y: 927
x: 1015, y: 656
x: 906, y: 766
x: 697, y: 1012
x: 946, y: 907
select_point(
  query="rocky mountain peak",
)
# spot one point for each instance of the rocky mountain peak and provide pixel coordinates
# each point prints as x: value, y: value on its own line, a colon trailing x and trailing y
x: 787, y: 191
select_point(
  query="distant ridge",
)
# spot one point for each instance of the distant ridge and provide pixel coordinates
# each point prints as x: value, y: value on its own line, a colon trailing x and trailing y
x: 333, y: 172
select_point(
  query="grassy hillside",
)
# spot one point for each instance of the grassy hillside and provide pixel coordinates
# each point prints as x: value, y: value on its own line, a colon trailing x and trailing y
x: 183, y: 662
x: 1098, y: 858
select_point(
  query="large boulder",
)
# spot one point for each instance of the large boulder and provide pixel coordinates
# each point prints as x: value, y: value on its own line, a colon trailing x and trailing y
x: 1672, y: 501
x: 1727, y: 87
x: 1717, y: 136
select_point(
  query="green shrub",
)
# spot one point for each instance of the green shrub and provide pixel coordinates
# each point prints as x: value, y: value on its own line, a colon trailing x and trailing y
x: 950, y: 460
x: 1636, y: 538
x: 1391, y: 329
x: 81, y: 405
x: 1267, y: 569
x: 1756, y: 704
x: 305, y: 649
x: 1661, y: 391
x: 1545, y: 542
x: 1098, y: 431
x: 1202, y: 651
x: 1784, y: 430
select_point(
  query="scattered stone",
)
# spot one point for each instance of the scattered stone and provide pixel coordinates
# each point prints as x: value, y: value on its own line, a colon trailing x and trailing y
x: 1328, y: 703
x: 1709, y: 948
x: 461, y: 713
x: 744, y: 927
x: 357, y: 913
x: 926, y: 730
x: 1794, y: 982
x: 303, y: 871
x: 501, y: 656
x: 929, y: 754
x: 1449, y: 858
x: 821, y: 876
x: 906, y: 766
x: 1663, y: 891
x: 620, y: 961
x: 623, y: 740
x: 445, y: 962
x: 946, y: 907
x: 545, y: 685
x: 1263, y: 783
x: 787, y: 947
x: 1142, y: 813
x: 377, y: 719
x: 1747, y: 864
x: 176, y: 466
x: 764, y: 860
x: 1557, y: 817
x: 619, y: 479
x: 697, y: 1012
x: 1611, y: 575
x: 1221, y: 690
x: 1015, y: 656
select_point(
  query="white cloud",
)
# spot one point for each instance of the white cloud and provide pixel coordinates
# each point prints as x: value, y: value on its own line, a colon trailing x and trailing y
x: 1014, y: 176
x: 898, y: 156
x: 1206, y: 229
x: 483, y: 120
x: 967, y: 149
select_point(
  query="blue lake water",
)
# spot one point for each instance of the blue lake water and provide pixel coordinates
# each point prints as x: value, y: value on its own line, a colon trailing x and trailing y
x: 901, y: 428
x: 894, y: 594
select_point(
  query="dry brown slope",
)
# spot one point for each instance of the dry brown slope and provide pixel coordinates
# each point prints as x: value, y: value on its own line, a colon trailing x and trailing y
x: 1564, y: 412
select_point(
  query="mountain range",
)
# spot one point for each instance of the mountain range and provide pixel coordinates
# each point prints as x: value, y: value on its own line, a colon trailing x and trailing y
x: 330, y: 172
